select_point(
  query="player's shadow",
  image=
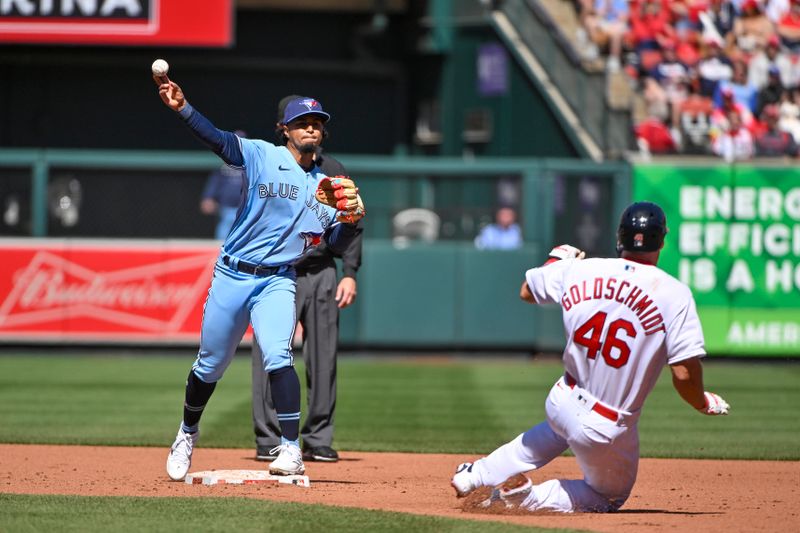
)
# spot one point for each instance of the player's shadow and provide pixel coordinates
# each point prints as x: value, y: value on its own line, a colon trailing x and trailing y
x: 663, y: 511
x: 336, y: 482
x: 341, y: 460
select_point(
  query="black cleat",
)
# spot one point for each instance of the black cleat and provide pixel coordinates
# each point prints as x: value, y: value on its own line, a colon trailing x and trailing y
x: 325, y: 454
x: 265, y: 453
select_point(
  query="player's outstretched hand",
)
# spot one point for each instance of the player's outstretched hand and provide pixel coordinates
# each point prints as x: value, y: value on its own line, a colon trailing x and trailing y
x: 566, y: 251
x: 170, y: 93
x: 715, y: 405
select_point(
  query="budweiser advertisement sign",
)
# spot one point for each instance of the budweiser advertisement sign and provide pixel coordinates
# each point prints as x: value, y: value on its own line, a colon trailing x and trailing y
x: 118, y: 291
x: 118, y: 22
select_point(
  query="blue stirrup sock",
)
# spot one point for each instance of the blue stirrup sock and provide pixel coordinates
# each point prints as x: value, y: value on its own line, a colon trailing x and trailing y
x: 197, y: 394
x: 285, y: 387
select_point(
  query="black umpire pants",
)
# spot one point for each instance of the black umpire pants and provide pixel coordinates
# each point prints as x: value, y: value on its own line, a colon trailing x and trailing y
x: 318, y: 312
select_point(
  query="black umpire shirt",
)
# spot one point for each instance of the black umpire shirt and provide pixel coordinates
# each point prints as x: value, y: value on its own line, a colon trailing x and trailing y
x: 321, y: 256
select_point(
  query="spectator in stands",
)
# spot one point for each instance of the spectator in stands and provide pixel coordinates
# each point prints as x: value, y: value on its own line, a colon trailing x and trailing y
x: 789, y: 27
x: 714, y: 66
x: 654, y: 137
x: 743, y: 92
x: 687, y: 26
x: 790, y: 113
x: 655, y: 98
x: 721, y: 15
x: 772, y: 91
x: 504, y: 234
x: 776, y: 9
x: 650, y: 24
x: 586, y: 47
x: 794, y: 72
x: 772, y: 56
x: 734, y: 143
x: 719, y: 118
x: 751, y: 29
x: 685, y: 14
x: 695, y: 120
x: 737, y: 5
x: 672, y: 76
x: 607, y: 23
x: 774, y: 142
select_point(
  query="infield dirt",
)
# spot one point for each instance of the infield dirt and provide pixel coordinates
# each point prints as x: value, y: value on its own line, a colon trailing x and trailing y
x: 670, y: 494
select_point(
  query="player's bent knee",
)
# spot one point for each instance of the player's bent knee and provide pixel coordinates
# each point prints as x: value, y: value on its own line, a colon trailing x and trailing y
x: 280, y: 371
x: 276, y: 360
x: 208, y: 374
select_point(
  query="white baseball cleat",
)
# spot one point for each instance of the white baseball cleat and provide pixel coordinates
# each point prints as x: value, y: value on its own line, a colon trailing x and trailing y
x: 463, y: 480
x: 180, y: 455
x: 289, y: 461
x: 512, y: 492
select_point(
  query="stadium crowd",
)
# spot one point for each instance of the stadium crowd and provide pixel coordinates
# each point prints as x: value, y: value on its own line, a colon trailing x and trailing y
x: 716, y: 76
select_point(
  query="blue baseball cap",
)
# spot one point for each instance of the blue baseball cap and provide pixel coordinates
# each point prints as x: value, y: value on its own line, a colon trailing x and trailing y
x: 303, y: 105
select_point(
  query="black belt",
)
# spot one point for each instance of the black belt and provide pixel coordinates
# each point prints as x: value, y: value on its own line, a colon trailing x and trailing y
x: 256, y: 270
x: 304, y: 267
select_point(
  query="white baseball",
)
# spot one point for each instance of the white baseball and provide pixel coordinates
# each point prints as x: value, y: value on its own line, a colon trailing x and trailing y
x: 160, y: 67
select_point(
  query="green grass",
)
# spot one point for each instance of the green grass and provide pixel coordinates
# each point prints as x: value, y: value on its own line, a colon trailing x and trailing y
x: 467, y: 406
x: 23, y: 513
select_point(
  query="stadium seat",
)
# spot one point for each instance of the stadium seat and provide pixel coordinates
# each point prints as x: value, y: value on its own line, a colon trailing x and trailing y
x: 415, y: 224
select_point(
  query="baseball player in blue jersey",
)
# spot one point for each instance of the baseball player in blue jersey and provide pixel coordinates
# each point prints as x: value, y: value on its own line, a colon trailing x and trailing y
x: 254, y: 281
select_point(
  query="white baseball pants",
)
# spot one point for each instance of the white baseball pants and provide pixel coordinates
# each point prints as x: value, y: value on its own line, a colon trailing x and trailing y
x: 607, y: 453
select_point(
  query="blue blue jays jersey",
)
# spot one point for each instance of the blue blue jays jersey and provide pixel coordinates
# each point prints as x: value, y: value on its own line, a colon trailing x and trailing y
x: 278, y: 219
x: 279, y: 216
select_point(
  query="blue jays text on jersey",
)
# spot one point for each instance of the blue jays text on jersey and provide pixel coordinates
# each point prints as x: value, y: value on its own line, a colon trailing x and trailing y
x: 282, y: 190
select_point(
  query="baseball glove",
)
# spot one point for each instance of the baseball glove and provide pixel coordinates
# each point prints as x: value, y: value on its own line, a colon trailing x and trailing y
x: 341, y: 193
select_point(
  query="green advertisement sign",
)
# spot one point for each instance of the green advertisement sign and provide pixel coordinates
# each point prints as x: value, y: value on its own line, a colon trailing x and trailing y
x: 734, y: 238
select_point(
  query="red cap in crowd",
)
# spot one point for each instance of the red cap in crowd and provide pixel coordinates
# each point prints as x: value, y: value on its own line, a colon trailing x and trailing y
x: 751, y: 4
x: 771, y: 111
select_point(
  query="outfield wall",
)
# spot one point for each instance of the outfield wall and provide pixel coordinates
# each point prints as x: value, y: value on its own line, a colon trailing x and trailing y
x: 735, y: 239
x: 445, y: 295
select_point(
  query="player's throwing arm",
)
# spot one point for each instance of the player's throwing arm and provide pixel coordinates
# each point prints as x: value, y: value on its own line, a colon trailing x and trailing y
x: 171, y: 94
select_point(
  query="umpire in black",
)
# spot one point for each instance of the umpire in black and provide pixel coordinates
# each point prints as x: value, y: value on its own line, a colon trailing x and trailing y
x: 319, y: 298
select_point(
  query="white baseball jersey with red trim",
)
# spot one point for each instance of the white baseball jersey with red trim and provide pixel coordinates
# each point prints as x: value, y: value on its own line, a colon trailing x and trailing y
x: 624, y: 321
